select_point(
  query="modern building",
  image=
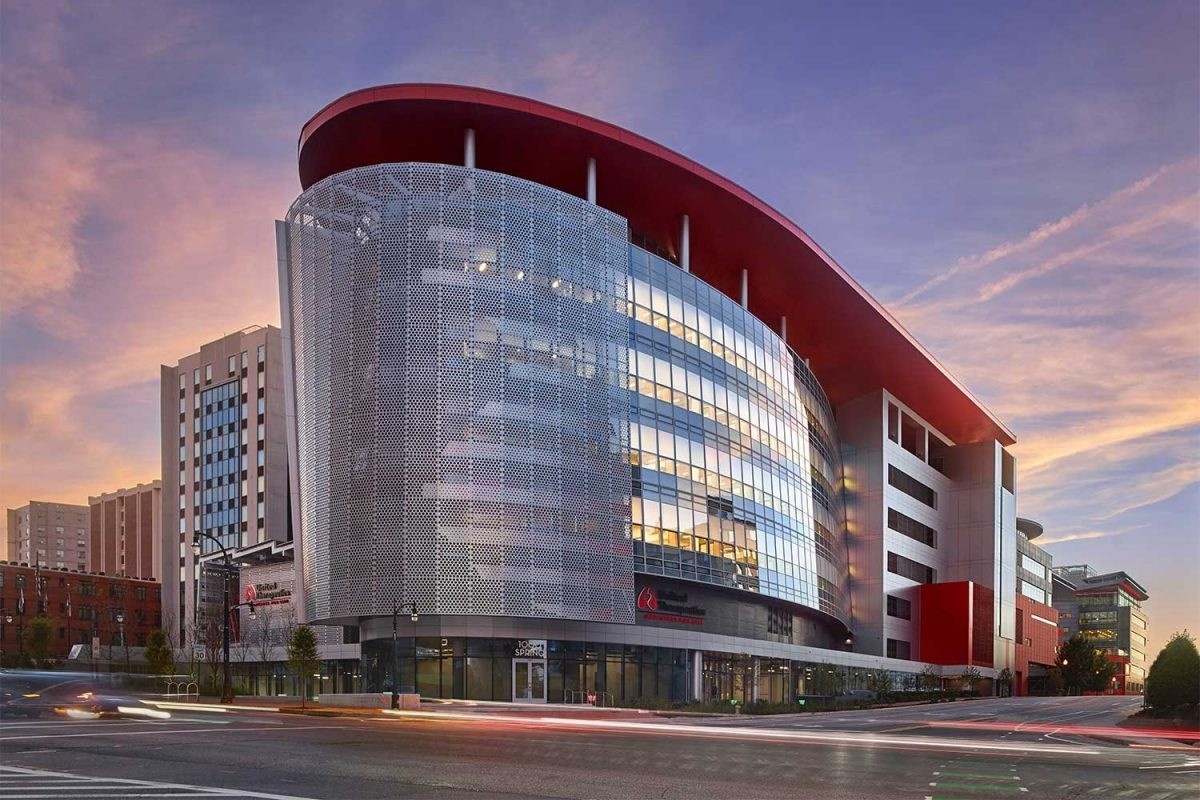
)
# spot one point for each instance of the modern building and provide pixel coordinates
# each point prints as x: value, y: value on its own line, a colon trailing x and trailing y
x: 83, y: 606
x: 614, y: 425
x: 50, y: 534
x: 1037, y: 620
x: 125, y: 536
x: 1108, y: 610
x: 224, y: 467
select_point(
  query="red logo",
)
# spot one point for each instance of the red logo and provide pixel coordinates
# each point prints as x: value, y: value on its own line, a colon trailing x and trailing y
x: 647, y: 600
x: 251, y: 593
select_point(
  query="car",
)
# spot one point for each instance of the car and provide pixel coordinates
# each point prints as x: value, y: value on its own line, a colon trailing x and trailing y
x: 31, y: 694
x: 27, y: 693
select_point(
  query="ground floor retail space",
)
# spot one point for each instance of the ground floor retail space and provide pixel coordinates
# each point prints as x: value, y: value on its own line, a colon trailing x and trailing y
x: 538, y: 670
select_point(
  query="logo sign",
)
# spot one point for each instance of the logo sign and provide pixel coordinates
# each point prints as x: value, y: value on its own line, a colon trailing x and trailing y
x: 530, y: 648
x: 251, y: 594
x: 664, y: 605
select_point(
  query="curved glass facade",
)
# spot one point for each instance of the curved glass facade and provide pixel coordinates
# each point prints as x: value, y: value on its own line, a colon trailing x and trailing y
x: 505, y: 409
x: 735, y: 472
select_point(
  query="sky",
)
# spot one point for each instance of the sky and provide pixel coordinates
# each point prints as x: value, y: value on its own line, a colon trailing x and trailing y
x: 1019, y: 183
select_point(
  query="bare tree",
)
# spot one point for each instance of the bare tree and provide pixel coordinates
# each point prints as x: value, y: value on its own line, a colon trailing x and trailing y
x: 171, y: 628
x: 212, y: 640
x: 263, y: 633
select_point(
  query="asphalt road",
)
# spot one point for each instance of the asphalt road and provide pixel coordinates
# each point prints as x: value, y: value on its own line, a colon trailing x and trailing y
x: 870, y: 754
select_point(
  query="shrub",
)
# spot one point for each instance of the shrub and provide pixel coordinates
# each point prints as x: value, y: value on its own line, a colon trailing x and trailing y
x: 1174, y: 677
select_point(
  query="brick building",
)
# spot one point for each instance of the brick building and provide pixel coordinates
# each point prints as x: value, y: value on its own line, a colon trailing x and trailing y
x: 83, y: 605
x: 126, y: 531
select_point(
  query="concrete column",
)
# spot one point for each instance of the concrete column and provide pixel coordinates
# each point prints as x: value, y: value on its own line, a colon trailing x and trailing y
x: 591, y: 181
x: 697, y: 675
x: 469, y: 148
x: 685, y: 244
x: 783, y: 329
x: 745, y: 288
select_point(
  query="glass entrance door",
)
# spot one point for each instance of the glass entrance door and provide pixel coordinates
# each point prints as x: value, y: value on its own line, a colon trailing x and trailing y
x: 529, y: 680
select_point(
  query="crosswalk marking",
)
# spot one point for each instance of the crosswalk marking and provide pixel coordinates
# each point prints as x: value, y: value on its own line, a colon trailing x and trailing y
x: 37, y: 783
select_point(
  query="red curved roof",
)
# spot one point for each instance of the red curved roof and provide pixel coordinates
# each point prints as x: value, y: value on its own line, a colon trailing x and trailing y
x: 853, y: 344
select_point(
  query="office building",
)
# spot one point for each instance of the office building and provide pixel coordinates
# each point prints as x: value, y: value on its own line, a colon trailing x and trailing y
x: 224, y: 467
x: 51, y: 534
x: 614, y: 425
x: 1037, y: 620
x: 125, y: 535
x: 1106, y: 609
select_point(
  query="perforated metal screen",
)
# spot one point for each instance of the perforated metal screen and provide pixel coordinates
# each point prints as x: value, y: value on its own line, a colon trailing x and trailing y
x: 460, y: 346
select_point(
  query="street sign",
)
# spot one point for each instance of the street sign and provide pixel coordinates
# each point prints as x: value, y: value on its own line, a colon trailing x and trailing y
x: 95, y: 647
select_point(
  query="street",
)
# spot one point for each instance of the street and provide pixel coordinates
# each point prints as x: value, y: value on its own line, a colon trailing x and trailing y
x: 967, y: 750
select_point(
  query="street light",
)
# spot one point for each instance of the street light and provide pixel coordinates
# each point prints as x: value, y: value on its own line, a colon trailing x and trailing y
x: 226, y: 681
x: 121, y: 622
x: 412, y: 609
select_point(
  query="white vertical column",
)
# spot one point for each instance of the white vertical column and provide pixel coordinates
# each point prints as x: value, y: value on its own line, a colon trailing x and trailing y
x: 697, y: 675
x: 469, y: 148
x: 591, y: 181
x: 685, y: 244
x: 783, y: 329
x: 745, y: 288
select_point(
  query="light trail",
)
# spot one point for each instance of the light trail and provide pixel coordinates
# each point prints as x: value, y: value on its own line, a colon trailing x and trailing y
x: 823, y: 737
x: 1077, y: 730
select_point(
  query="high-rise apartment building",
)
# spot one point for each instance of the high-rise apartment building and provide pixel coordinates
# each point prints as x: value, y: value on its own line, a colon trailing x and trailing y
x: 125, y: 536
x: 1108, y: 610
x: 224, y: 461
x: 50, y: 534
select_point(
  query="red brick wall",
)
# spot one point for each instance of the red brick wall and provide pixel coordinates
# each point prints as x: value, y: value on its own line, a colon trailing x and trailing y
x: 140, y: 601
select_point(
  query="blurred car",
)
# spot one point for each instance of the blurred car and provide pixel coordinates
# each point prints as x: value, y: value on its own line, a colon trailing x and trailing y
x: 31, y: 694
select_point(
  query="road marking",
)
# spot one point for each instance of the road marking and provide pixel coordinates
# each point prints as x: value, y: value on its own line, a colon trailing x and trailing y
x: 980, y: 775
x: 99, y: 787
x: 163, y: 733
x: 977, y: 786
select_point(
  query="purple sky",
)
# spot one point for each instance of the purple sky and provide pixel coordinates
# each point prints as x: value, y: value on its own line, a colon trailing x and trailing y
x: 1017, y: 182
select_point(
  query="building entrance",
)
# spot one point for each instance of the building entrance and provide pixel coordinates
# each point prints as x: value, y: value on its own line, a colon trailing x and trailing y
x: 529, y: 680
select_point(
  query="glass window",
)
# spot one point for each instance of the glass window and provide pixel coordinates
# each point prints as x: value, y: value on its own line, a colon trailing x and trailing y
x: 208, y: 372
x: 262, y: 353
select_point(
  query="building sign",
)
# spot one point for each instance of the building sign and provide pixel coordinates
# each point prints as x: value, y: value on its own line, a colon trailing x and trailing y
x: 666, y: 605
x: 270, y: 593
x: 530, y: 648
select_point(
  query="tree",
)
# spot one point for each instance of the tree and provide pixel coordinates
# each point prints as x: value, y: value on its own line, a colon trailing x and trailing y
x: 880, y: 682
x: 1084, y: 668
x: 303, y: 657
x: 969, y: 678
x: 262, y: 633
x: 1174, y: 677
x: 929, y: 680
x: 39, y: 633
x: 1004, y: 682
x: 159, y: 654
x: 212, y: 640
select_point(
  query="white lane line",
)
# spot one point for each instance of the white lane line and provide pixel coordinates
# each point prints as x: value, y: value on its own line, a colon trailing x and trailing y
x: 164, y: 733
x: 191, y: 789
